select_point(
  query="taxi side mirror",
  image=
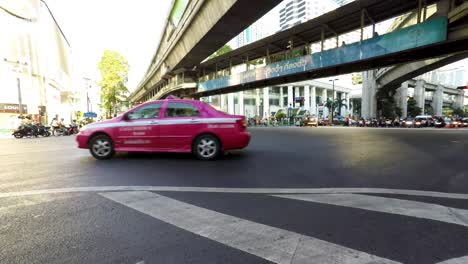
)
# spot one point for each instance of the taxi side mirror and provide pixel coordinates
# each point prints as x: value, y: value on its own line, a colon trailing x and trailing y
x: 125, y: 117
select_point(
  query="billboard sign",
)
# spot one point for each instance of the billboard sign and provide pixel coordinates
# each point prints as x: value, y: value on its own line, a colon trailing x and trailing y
x: 13, y: 108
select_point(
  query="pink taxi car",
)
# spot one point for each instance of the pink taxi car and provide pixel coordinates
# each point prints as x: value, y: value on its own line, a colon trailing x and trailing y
x: 171, y: 125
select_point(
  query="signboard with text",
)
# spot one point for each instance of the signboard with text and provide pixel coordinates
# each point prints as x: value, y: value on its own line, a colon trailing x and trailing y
x: 12, y: 108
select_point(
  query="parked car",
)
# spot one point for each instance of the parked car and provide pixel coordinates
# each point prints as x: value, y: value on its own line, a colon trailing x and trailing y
x: 311, y: 121
x: 425, y: 120
x: 451, y: 122
x: 464, y: 122
x: 171, y: 125
x: 439, y: 122
x: 419, y: 122
x: 408, y: 122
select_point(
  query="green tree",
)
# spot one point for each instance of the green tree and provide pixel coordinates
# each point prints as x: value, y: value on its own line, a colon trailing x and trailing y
x: 428, y: 110
x: 114, y: 76
x: 458, y: 112
x: 224, y: 49
x: 356, y: 105
x: 335, y: 106
x: 413, y: 109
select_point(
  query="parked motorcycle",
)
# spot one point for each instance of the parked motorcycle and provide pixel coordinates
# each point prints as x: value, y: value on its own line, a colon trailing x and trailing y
x: 22, y: 131
x: 74, y: 129
x: 65, y: 130
x: 43, y: 131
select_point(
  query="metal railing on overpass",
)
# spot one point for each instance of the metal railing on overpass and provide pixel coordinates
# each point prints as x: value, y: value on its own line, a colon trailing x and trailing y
x: 416, y: 36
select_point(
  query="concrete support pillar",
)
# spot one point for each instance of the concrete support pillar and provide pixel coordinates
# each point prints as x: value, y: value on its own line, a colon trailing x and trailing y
x: 369, y: 91
x: 281, y: 99
x: 438, y: 100
x: 443, y: 7
x: 307, y: 97
x: 401, y: 99
x: 313, y: 102
x: 460, y: 99
x: 231, y: 103
x: 257, y: 102
x: 240, y: 97
x: 290, y: 97
x: 266, y: 102
x: 296, y: 94
x: 323, y: 98
x: 345, y: 110
x: 419, y: 94
x: 222, y: 102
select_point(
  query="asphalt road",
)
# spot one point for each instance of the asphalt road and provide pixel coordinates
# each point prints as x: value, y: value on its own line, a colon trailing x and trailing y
x: 295, y: 195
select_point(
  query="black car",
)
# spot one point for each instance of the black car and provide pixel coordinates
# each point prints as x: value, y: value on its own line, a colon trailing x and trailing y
x: 439, y: 122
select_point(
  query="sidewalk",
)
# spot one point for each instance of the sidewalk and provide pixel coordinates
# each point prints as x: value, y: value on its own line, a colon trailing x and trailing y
x: 5, y: 133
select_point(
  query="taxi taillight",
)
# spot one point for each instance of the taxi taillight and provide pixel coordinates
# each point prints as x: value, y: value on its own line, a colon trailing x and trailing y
x: 242, y: 123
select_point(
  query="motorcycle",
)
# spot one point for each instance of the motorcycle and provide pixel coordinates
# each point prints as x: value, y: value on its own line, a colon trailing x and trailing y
x: 361, y: 123
x: 30, y: 131
x: 74, y: 129
x: 43, y: 131
x: 65, y: 130
x: 25, y: 131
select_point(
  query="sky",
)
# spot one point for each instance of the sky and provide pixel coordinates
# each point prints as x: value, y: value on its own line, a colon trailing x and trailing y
x: 130, y: 27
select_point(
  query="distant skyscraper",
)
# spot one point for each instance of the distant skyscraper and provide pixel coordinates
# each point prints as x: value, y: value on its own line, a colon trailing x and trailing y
x: 265, y: 26
x: 295, y: 12
x: 342, y: 2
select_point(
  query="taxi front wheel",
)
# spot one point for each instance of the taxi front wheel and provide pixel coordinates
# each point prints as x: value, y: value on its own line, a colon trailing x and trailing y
x: 206, y: 147
x: 101, y: 147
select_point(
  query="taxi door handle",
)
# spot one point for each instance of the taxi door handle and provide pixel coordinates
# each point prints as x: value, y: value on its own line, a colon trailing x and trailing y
x: 154, y: 122
x: 194, y: 121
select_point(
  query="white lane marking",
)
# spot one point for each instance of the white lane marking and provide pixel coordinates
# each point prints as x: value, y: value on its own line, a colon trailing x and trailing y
x: 462, y: 260
x: 237, y: 190
x: 271, y: 243
x: 388, y: 205
x: 141, y: 262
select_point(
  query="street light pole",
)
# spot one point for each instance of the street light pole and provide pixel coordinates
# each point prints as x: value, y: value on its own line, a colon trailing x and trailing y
x: 333, y: 96
x: 20, y: 103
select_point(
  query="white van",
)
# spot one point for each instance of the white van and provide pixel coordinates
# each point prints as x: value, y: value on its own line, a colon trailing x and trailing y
x: 426, y: 120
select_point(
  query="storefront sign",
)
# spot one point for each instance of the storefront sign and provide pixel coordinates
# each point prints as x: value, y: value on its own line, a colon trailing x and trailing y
x: 12, y: 108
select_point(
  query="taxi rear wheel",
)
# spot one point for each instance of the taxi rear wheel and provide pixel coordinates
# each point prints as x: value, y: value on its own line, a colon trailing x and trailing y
x: 206, y: 147
x: 101, y: 147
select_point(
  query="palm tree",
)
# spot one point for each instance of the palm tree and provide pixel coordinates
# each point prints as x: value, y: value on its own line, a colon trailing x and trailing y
x: 334, y: 105
x: 339, y: 104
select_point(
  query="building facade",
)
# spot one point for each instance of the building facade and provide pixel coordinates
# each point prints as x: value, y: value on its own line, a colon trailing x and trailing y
x: 266, y: 102
x: 35, y: 66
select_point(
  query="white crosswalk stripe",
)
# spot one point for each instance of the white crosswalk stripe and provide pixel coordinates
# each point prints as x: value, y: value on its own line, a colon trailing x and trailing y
x: 388, y: 205
x: 462, y: 260
x: 271, y: 243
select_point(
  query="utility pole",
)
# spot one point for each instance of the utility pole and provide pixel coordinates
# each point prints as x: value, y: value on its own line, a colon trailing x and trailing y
x: 333, y: 101
x: 87, y: 94
x: 20, y: 103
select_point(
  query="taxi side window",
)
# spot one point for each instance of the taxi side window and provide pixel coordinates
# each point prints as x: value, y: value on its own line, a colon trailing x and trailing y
x: 146, y: 112
x: 181, y: 110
